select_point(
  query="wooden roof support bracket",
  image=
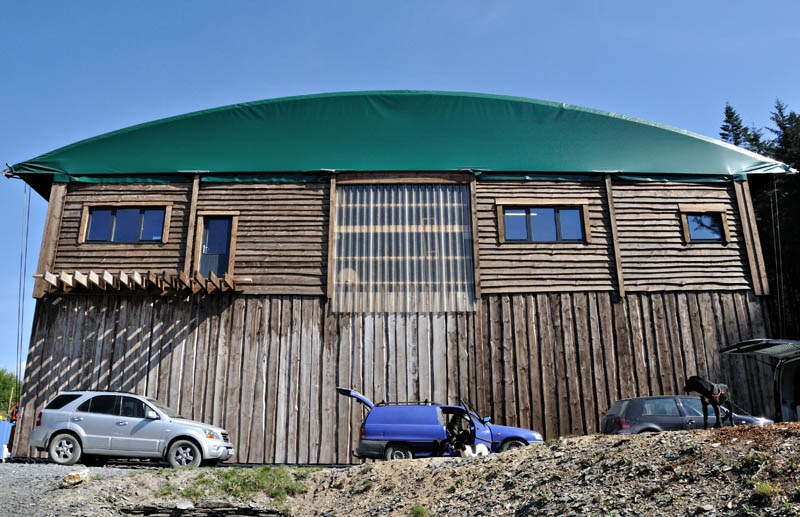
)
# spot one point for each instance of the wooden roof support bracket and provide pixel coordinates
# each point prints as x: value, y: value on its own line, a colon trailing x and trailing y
x: 612, y: 217
x: 229, y: 281
x: 110, y: 280
x: 138, y: 280
x: 66, y: 279
x: 184, y: 280
x: 214, y: 279
x: 96, y: 280
x: 81, y: 279
x: 124, y: 280
x: 50, y: 278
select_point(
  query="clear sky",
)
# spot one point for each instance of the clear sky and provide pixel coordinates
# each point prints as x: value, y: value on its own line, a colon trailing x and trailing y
x: 72, y: 70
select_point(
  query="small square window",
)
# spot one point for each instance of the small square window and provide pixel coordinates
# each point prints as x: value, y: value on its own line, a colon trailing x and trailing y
x: 704, y: 222
x: 543, y: 224
x: 705, y: 227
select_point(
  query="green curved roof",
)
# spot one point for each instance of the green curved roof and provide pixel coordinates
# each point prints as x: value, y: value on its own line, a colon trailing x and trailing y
x: 399, y: 131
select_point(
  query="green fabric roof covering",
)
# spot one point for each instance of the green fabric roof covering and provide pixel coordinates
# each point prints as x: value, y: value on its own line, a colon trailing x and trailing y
x: 398, y: 131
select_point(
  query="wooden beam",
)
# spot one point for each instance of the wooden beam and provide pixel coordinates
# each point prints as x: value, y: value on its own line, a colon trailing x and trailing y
x: 751, y: 217
x: 110, y: 279
x: 183, y: 278
x: 52, y: 225
x: 187, y: 259
x: 748, y: 239
x: 612, y: 217
x: 124, y: 279
x: 214, y: 279
x: 50, y: 278
x: 331, y: 235
x: 66, y: 279
x: 476, y: 256
x: 97, y: 280
x: 138, y: 280
x: 229, y: 281
x: 80, y: 278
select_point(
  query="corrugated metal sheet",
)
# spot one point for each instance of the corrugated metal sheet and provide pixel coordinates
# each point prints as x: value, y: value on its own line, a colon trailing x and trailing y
x: 403, y: 248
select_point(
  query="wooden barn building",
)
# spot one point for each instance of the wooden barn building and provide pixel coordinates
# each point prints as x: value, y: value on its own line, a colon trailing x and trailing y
x: 537, y: 258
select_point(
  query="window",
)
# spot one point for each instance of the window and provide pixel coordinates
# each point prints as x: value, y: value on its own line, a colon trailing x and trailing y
x: 132, y: 407
x: 61, y: 401
x: 543, y: 224
x: 104, y: 404
x: 660, y: 407
x: 704, y: 223
x: 543, y: 220
x: 402, y: 248
x: 124, y: 223
x: 215, y: 242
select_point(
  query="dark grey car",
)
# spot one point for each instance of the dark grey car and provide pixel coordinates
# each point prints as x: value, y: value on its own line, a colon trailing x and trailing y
x: 664, y: 413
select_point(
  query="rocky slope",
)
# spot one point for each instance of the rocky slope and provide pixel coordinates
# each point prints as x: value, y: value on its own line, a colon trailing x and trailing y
x: 732, y: 471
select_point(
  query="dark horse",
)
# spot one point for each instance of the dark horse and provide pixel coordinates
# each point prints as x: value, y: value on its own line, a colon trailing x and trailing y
x: 714, y: 394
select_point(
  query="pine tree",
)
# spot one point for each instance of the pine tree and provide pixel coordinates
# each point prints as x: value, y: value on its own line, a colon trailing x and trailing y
x: 732, y: 130
x: 786, y: 145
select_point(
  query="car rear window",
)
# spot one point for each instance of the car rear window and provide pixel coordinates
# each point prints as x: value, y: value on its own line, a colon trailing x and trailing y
x: 660, y: 407
x: 61, y: 401
x: 618, y: 408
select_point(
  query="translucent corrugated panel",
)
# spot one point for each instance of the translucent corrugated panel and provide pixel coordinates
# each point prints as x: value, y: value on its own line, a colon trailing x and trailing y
x: 403, y: 248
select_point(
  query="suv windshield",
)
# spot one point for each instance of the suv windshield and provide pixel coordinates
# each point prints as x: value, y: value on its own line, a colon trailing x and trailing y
x: 164, y: 409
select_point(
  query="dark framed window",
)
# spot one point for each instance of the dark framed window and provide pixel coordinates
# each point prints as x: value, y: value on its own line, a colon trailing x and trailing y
x: 704, y: 223
x: 125, y: 224
x: 543, y: 224
x: 103, y: 404
x: 705, y: 227
x: 132, y: 407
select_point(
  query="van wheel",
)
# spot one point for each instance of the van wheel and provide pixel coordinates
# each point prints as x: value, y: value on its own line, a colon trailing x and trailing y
x: 511, y: 445
x: 183, y: 453
x: 64, y: 449
x: 398, y: 451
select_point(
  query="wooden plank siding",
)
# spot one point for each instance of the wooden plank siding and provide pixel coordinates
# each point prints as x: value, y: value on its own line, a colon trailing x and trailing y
x: 282, y: 233
x: 655, y: 256
x: 543, y: 267
x: 72, y: 255
x: 266, y: 367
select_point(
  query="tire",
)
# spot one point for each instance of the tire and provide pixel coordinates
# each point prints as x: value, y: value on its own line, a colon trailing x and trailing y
x: 184, y: 453
x: 398, y: 451
x: 64, y: 449
x: 511, y: 445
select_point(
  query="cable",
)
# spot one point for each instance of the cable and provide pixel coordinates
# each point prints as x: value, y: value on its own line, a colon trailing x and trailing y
x: 23, y: 273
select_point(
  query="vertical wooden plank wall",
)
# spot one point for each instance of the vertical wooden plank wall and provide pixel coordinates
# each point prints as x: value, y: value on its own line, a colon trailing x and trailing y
x: 266, y: 367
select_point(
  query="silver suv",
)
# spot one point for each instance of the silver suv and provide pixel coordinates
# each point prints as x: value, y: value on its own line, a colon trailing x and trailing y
x: 97, y: 425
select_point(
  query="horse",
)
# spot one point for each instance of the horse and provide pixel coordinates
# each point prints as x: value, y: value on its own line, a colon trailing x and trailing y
x: 712, y: 394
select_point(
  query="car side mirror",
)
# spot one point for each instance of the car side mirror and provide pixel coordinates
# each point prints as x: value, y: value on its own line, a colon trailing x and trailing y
x: 486, y: 420
x: 152, y: 415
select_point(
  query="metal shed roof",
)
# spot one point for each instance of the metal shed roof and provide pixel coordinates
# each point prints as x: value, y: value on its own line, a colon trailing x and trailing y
x: 398, y: 131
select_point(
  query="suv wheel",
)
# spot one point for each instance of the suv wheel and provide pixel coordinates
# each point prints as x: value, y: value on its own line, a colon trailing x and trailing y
x: 398, y: 451
x: 183, y: 453
x: 64, y: 449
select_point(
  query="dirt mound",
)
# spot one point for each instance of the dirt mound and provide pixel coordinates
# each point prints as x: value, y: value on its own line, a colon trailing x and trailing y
x: 730, y: 471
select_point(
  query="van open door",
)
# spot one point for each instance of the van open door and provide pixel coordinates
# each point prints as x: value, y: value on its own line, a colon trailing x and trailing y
x: 785, y: 353
x: 347, y: 392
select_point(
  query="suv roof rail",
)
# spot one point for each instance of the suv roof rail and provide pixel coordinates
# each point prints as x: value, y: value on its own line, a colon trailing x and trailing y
x: 408, y: 403
x: 102, y: 391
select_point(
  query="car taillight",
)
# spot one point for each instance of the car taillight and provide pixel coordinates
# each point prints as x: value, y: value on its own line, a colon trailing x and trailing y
x: 620, y: 423
x: 362, y: 434
x: 39, y: 419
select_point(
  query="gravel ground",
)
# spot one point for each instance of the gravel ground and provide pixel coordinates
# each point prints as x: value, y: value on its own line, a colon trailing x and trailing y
x: 31, y: 490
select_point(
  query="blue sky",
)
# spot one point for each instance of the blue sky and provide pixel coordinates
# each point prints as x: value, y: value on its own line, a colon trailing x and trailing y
x: 73, y: 70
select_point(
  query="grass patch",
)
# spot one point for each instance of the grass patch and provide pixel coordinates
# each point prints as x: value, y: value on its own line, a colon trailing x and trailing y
x: 418, y: 510
x: 767, y: 490
x: 276, y: 482
x: 166, y: 490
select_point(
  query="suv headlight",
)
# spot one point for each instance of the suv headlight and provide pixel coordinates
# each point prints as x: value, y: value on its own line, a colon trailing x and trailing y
x: 212, y: 434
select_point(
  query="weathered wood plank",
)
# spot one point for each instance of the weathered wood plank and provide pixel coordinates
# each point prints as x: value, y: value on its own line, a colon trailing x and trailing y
x: 550, y: 412
x: 571, y: 359
x: 584, y: 356
x: 521, y: 371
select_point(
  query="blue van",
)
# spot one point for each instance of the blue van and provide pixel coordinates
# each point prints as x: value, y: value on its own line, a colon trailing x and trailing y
x: 403, y: 430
